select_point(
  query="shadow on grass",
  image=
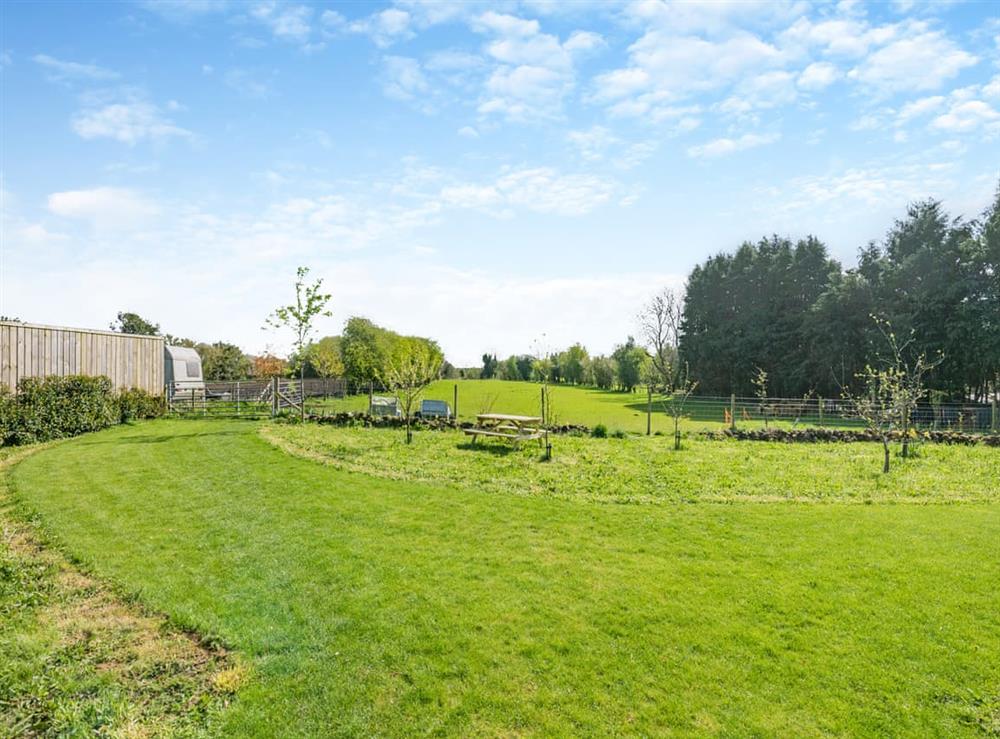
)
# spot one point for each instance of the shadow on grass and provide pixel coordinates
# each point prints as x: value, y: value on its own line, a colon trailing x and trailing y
x: 497, y: 450
x: 159, y: 439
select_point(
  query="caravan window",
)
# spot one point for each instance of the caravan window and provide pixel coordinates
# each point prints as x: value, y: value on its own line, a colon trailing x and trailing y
x: 193, y: 369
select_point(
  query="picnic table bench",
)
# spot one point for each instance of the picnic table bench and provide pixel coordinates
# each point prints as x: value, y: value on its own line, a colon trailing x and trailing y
x: 505, y: 426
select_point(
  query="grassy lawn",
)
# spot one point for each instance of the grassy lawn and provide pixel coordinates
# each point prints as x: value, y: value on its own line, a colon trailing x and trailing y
x: 378, y: 606
x: 647, y: 469
x: 77, y: 660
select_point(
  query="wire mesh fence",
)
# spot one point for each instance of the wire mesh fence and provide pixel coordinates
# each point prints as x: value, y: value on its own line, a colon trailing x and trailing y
x: 330, y: 396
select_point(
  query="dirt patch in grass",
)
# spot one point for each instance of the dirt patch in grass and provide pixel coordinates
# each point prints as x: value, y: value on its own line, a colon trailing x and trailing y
x: 77, y: 659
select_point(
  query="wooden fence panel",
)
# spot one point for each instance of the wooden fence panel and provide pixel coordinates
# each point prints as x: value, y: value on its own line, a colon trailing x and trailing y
x: 130, y: 361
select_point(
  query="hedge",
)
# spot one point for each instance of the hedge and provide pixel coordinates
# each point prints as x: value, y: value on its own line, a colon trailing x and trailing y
x: 813, y: 435
x: 58, y: 407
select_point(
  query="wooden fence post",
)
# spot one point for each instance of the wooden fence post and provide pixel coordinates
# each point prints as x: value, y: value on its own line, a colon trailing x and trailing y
x: 274, y: 396
x: 649, y: 410
x: 820, y: 401
x: 455, y: 409
x: 543, y: 404
x: 732, y: 411
x: 994, y: 420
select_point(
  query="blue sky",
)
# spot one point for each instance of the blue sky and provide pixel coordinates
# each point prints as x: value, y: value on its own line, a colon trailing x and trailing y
x: 503, y: 177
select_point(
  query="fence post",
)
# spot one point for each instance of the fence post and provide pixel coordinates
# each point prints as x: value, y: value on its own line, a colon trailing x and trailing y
x: 732, y: 411
x: 371, y: 392
x: 237, y: 397
x: 543, y: 404
x: 455, y: 409
x: 820, y: 401
x: 274, y: 396
x: 994, y: 420
x: 649, y: 410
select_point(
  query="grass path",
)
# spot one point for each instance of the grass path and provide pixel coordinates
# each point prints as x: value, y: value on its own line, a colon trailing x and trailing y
x: 372, y: 606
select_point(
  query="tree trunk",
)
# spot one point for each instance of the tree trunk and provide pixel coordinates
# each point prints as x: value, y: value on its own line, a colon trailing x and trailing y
x: 677, y: 433
x: 906, y: 433
x: 409, y: 433
x: 885, y: 451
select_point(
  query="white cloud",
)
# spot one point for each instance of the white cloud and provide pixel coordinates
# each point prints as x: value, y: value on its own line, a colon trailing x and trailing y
x: 59, y: 70
x: 724, y: 146
x: 286, y: 22
x: 524, y: 92
x: 584, y: 41
x: 892, y: 187
x: 919, y: 61
x: 918, y: 108
x: 967, y: 116
x: 665, y: 68
x: 594, y: 142
x: 128, y: 122
x: 818, y: 76
x: 468, y: 132
x: 104, y: 207
x: 507, y: 25
x: 384, y: 28
x: 538, y: 189
x: 843, y: 37
x: 598, y: 143
x: 402, y: 79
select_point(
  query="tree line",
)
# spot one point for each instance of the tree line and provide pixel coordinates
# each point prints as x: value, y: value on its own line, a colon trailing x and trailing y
x: 790, y: 312
x: 364, y: 352
x: 624, y: 369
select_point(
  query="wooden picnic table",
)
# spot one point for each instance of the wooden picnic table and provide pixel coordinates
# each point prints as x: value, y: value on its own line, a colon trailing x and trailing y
x: 506, y: 426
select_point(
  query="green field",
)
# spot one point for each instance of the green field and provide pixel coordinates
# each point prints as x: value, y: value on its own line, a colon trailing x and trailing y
x: 365, y: 604
x: 569, y: 404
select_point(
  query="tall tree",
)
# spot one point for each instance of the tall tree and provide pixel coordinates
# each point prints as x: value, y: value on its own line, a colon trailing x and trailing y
x: 310, y: 303
x: 133, y: 323
x: 660, y: 324
x: 630, y: 361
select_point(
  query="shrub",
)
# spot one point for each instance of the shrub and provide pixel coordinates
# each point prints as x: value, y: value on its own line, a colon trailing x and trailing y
x: 618, y: 434
x: 137, y: 404
x: 58, y: 407
x: 600, y: 431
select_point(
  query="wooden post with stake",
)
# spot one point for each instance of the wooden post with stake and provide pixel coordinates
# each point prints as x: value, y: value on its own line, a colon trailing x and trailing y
x: 274, y: 396
x: 649, y: 410
x: 994, y: 420
x: 732, y: 411
x: 455, y: 407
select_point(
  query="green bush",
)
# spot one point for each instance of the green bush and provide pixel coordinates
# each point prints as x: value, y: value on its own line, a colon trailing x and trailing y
x: 137, y: 404
x: 57, y: 407
x: 600, y: 431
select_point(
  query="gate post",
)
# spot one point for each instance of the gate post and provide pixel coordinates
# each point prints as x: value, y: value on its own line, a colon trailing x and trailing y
x: 274, y: 396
